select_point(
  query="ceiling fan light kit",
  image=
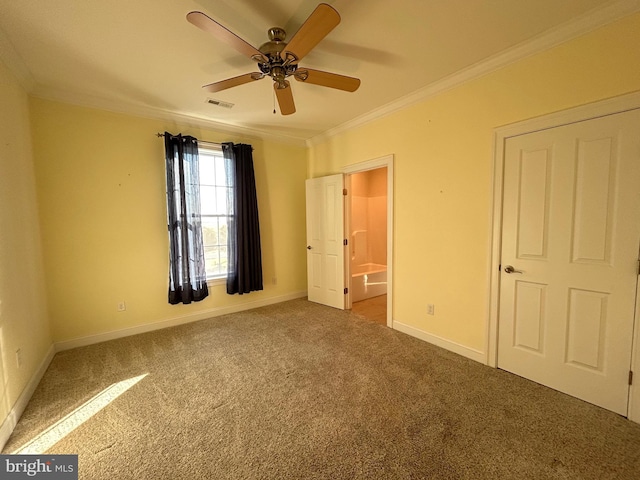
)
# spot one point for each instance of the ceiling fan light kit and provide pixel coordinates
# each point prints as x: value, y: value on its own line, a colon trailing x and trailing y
x: 278, y: 59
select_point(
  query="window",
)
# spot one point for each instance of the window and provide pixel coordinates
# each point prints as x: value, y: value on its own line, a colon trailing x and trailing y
x: 214, y: 195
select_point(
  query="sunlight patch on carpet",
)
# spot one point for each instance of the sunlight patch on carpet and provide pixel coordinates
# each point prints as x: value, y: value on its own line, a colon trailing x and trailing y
x: 73, y: 420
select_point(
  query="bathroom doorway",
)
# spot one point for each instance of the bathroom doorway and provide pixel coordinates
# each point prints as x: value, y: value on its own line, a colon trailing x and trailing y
x: 368, y: 257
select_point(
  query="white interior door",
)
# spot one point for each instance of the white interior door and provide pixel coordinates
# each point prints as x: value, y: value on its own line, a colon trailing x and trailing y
x: 569, y: 260
x: 325, y: 236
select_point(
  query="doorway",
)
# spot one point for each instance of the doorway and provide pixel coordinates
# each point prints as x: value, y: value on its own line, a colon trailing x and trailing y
x: 367, y: 241
x: 328, y: 208
x: 369, y: 235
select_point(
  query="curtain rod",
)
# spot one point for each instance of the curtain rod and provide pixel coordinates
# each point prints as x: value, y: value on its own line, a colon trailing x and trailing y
x: 199, y: 141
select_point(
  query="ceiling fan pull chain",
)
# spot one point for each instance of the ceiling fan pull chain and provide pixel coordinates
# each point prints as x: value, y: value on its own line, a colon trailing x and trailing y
x: 274, y: 102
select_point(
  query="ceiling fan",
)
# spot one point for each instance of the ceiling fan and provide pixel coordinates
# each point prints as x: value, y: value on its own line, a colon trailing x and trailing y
x: 279, y: 59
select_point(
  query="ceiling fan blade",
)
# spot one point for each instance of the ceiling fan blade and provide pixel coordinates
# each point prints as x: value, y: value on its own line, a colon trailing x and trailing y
x: 223, y: 34
x: 327, y: 79
x: 321, y: 21
x: 285, y: 98
x: 233, y: 82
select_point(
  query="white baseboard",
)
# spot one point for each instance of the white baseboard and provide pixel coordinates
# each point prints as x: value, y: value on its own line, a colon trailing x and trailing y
x: 16, y: 412
x: 172, y: 322
x: 471, y: 353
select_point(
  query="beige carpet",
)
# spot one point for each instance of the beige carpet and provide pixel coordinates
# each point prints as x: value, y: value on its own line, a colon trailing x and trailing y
x: 301, y: 391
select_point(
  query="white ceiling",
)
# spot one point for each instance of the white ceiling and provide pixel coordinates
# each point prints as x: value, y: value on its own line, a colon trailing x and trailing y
x: 143, y: 56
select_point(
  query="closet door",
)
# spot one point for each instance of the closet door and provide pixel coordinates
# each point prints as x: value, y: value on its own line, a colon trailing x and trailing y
x: 569, y: 260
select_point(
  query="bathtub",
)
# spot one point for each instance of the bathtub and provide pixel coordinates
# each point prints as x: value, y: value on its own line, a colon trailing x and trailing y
x: 368, y: 280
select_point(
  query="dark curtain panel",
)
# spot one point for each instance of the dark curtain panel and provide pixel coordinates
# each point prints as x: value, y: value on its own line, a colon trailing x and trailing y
x: 244, y: 273
x: 187, y: 274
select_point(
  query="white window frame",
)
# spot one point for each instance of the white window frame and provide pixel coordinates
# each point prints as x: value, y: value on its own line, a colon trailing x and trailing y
x: 206, y: 150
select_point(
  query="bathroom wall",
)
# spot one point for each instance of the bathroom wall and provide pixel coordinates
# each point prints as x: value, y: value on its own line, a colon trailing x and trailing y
x: 369, y: 213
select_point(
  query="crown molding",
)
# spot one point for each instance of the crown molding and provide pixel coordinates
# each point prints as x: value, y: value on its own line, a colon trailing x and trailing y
x: 144, y: 111
x: 549, y: 39
x: 16, y: 65
x: 563, y: 33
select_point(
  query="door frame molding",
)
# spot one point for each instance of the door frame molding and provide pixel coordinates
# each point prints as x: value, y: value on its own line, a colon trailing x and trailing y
x: 589, y: 111
x: 347, y: 170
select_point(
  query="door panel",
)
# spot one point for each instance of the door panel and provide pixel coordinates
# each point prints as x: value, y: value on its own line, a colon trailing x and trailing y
x: 325, y: 234
x: 533, y: 204
x: 593, y: 215
x: 587, y: 319
x: 529, y: 315
x: 571, y: 233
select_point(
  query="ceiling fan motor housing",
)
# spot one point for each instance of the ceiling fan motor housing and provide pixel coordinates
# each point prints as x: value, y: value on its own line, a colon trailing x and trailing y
x: 276, y: 67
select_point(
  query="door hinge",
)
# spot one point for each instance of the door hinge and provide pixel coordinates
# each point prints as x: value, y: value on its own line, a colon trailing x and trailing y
x: 630, y: 377
x: 344, y: 191
x: 638, y: 269
x: 346, y: 290
x: 499, y: 267
x: 345, y: 242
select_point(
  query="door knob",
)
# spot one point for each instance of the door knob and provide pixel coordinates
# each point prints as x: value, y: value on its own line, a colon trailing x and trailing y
x: 308, y: 247
x: 510, y: 269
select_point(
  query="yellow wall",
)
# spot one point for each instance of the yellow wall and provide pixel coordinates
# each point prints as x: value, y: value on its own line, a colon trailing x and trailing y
x: 443, y: 170
x: 24, y: 322
x: 101, y: 186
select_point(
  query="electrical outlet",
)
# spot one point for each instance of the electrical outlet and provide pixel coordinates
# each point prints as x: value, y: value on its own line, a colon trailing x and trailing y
x: 431, y: 309
x: 19, y: 358
x: 122, y: 306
